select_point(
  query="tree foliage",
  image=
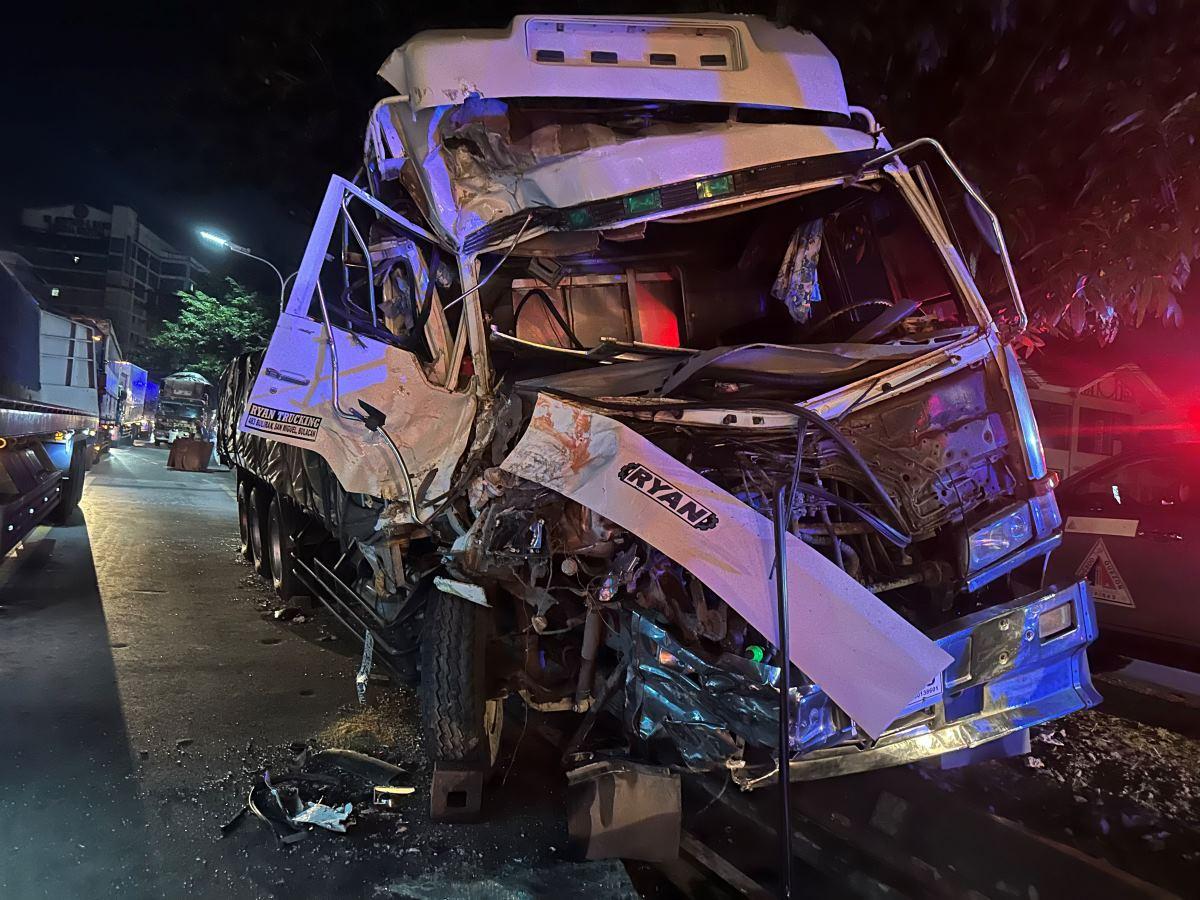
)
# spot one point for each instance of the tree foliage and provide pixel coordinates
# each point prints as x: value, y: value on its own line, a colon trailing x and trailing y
x: 209, y: 331
x: 1079, y: 122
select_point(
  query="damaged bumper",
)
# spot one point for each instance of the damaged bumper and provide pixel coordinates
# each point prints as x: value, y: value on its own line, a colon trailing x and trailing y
x: 1014, y: 665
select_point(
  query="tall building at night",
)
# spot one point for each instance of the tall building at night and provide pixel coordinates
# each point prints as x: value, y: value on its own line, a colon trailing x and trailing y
x: 106, y: 264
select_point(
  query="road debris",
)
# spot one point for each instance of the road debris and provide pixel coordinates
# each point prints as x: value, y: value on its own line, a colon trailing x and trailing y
x: 388, y: 796
x: 1105, y: 755
x: 322, y: 790
x: 328, y: 817
x: 364, y: 669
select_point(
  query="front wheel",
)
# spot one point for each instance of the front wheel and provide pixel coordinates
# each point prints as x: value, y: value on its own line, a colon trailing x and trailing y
x: 462, y: 723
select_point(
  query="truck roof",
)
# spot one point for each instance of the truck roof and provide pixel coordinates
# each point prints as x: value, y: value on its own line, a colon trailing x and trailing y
x: 711, y: 58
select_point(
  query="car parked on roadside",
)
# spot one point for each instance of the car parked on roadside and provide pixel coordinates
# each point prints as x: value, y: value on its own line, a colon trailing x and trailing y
x: 1132, y: 529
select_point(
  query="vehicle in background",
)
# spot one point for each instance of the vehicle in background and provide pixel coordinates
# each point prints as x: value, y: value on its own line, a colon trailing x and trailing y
x: 48, y: 412
x: 184, y: 404
x: 1133, y: 533
x: 149, y: 412
x: 124, y: 399
x: 611, y: 297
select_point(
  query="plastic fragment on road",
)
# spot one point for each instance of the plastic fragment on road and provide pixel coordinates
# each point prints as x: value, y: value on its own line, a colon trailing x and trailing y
x: 861, y: 652
x: 369, y: 767
x: 364, y: 669
x: 332, y: 818
x: 389, y: 796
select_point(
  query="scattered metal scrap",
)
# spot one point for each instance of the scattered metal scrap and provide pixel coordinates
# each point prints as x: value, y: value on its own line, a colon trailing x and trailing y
x: 325, y: 790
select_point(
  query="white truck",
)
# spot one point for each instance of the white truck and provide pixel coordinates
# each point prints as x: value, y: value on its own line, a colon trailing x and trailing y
x: 49, y: 411
x: 615, y: 302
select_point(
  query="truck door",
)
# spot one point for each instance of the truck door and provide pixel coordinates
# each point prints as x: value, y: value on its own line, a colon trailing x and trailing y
x: 358, y: 366
x: 1132, y: 530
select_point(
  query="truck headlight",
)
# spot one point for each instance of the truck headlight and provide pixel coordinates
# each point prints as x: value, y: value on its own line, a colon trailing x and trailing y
x: 999, y: 537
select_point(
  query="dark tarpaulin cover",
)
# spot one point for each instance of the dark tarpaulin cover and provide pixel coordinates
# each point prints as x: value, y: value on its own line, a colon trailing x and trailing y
x: 20, y: 336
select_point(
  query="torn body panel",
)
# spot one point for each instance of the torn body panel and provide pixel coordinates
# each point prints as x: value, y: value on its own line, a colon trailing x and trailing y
x: 292, y: 402
x: 864, y: 655
x: 1005, y: 676
x: 474, y: 172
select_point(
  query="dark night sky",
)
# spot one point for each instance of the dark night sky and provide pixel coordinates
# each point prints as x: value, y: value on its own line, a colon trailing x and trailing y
x: 96, y: 99
x: 232, y: 115
x: 224, y: 114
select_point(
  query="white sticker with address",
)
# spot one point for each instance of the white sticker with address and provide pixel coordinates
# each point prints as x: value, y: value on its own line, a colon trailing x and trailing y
x: 277, y: 421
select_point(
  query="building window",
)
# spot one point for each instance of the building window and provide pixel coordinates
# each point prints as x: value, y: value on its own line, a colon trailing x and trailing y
x: 1103, y: 432
x: 1054, y: 424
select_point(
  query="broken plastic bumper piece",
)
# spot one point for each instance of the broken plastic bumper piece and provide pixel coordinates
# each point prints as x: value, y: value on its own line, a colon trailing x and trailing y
x: 1014, y: 665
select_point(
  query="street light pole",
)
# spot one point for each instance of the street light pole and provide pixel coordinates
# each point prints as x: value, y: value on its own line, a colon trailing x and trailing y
x: 245, y: 251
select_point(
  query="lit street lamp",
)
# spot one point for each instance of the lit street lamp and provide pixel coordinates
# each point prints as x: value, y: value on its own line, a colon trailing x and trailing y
x: 245, y: 251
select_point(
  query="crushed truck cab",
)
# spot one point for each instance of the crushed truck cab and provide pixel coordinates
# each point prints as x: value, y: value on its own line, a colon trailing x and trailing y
x: 603, y: 288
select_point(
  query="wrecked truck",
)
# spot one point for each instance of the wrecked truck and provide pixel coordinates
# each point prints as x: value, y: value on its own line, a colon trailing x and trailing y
x: 609, y: 297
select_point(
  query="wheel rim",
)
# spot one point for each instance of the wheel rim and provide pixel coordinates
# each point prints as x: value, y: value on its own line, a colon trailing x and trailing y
x: 243, y: 518
x: 255, y: 534
x: 275, y: 537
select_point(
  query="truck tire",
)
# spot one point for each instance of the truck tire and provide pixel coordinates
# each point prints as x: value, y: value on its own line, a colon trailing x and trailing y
x: 259, y: 499
x: 461, y: 723
x: 243, y: 504
x: 280, y: 529
x: 71, y: 485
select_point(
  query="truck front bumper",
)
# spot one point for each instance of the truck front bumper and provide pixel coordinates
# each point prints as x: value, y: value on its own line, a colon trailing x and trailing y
x: 1012, y: 669
x: 1005, y: 677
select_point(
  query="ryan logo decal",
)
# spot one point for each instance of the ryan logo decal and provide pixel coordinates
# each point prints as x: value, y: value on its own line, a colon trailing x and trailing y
x: 666, y: 494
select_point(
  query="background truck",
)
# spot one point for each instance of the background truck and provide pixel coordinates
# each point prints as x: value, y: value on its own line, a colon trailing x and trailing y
x: 49, y: 411
x: 124, y: 400
x: 619, y: 306
x: 184, y: 404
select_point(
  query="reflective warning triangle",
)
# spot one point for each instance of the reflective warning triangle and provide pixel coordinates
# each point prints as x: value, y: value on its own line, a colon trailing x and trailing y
x: 1100, y: 572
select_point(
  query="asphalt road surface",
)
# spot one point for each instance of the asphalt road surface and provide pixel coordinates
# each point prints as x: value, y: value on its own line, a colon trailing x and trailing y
x: 145, y: 686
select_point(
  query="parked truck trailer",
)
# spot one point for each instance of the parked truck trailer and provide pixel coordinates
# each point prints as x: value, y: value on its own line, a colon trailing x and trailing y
x: 49, y: 412
x: 615, y: 304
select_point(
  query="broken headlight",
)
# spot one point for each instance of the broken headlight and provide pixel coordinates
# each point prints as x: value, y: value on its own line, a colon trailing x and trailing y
x: 999, y: 537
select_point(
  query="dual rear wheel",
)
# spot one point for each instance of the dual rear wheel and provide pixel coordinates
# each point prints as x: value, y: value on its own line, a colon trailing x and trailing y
x: 266, y: 528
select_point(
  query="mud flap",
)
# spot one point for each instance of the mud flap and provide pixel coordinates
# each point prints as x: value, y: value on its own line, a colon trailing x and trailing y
x: 624, y: 810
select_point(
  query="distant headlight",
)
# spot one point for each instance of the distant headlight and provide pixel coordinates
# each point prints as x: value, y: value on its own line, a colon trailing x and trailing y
x: 999, y: 537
